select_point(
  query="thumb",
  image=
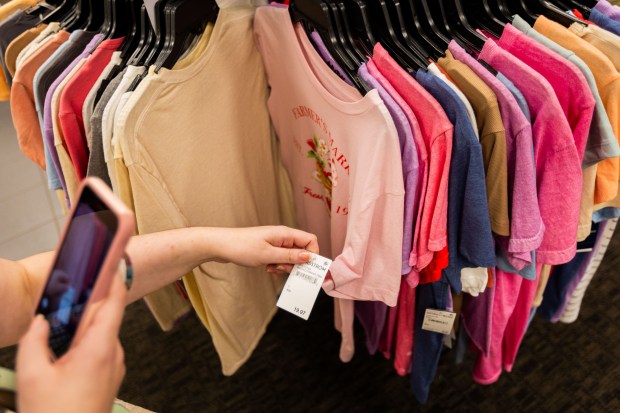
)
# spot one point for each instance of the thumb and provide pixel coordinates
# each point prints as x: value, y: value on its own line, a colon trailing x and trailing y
x: 289, y: 256
x: 33, y: 352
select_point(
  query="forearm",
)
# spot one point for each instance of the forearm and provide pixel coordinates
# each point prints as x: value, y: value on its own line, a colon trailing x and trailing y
x: 162, y: 258
x: 21, y: 284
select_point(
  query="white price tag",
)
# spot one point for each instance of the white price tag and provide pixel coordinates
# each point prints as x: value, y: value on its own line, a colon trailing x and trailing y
x: 303, y: 285
x: 438, y: 321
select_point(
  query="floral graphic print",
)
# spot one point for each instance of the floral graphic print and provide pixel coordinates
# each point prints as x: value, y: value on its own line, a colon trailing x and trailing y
x: 324, y: 174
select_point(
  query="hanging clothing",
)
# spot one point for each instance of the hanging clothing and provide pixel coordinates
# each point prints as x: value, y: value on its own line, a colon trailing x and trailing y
x: 526, y: 225
x: 608, y: 83
x: 17, y: 45
x: 557, y: 160
x: 10, y: 28
x: 44, y: 37
x: 372, y: 314
x: 45, y: 77
x: 234, y: 303
x: 23, y: 107
x: 492, y: 139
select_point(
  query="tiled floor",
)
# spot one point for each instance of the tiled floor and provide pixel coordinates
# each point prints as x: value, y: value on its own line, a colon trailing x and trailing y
x: 30, y: 215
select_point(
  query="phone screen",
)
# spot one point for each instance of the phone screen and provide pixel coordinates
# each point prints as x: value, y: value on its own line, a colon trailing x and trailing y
x: 74, y: 274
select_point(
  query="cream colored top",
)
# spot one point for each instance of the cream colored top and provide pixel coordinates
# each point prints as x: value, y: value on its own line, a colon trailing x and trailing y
x: 200, y: 151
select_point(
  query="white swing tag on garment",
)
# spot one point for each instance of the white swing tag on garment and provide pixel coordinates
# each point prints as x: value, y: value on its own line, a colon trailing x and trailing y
x: 438, y: 321
x: 303, y: 285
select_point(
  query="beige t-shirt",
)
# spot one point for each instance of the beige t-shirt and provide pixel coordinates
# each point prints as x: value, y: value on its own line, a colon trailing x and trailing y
x: 199, y: 149
x: 492, y: 139
x: 605, y: 41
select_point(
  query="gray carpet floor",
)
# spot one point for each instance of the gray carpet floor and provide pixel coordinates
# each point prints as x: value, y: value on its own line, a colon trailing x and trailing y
x: 560, y: 368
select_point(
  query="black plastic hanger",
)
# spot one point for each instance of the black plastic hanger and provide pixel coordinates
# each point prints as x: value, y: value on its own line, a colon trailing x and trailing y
x: 408, y: 38
x: 432, y: 21
x: 547, y: 9
x: 455, y: 22
x: 61, y: 12
x: 341, y: 38
x: 147, y: 35
x: 500, y: 9
x: 95, y: 16
x: 120, y: 19
x: 160, y: 34
x: 133, y: 36
x: 108, y: 16
x: 82, y: 12
x: 129, y: 46
x: 186, y: 18
x: 423, y: 38
x: 519, y: 7
x: 381, y: 19
x: 584, y: 7
x: 314, y: 15
x: 42, y: 8
x: 481, y: 16
x: 358, y: 46
x: 357, y: 13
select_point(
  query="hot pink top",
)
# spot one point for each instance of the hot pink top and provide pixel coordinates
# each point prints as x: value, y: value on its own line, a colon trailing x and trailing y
x: 558, y: 168
x: 437, y: 134
x: 568, y: 82
x: 343, y: 157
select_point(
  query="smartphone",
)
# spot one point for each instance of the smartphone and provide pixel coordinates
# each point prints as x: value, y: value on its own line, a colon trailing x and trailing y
x: 87, y: 259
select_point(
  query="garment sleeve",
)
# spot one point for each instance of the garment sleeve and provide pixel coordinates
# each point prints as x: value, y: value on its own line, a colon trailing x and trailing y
x: 476, y: 240
x: 440, y: 165
x: 369, y: 266
x: 27, y: 125
x: 73, y: 132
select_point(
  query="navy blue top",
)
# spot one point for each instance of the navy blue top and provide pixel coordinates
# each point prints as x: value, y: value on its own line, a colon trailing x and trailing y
x: 470, y: 241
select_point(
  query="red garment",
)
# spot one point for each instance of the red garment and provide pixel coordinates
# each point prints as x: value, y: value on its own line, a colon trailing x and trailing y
x: 72, y: 100
x: 580, y: 16
x: 432, y: 273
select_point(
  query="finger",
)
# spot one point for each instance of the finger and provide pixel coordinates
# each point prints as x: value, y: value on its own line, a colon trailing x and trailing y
x: 287, y: 268
x: 109, y: 314
x: 300, y: 239
x: 287, y: 256
x: 33, y: 352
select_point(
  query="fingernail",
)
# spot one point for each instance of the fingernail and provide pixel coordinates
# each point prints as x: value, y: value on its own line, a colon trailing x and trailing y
x: 304, y: 256
x: 280, y: 268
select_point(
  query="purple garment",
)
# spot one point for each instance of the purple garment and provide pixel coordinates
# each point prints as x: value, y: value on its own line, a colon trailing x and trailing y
x: 320, y: 47
x: 48, y: 129
x: 477, y: 317
x: 409, y: 159
x: 608, y: 9
x: 526, y: 225
x: 372, y: 315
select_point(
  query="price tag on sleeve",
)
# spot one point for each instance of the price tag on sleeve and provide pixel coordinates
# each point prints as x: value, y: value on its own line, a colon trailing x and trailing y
x: 303, y: 285
x: 438, y: 321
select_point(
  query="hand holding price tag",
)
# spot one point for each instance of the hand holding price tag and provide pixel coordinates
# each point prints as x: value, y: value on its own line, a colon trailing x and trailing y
x: 303, y: 285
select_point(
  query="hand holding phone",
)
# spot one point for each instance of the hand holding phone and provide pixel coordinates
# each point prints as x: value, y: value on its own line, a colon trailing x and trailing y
x: 86, y: 262
x: 88, y: 376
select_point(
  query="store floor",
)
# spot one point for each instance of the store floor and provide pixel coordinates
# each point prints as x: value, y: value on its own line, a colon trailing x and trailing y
x: 561, y: 368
